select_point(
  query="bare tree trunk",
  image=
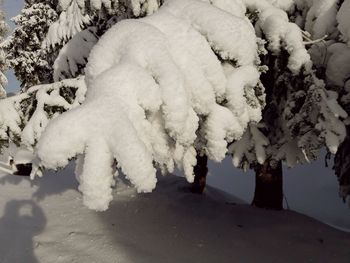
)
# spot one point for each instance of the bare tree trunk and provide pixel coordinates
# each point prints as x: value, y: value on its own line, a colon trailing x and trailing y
x: 269, y: 186
x: 200, y: 174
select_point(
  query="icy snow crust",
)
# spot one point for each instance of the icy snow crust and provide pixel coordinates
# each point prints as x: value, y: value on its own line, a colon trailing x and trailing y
x: 159, y: 92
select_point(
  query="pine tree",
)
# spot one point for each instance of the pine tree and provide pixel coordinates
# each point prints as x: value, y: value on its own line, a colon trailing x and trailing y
x: 300, y: 116
x: 3, y: 31
x: 82, y: 23
x: 59, y: 53
x: 170, y: 90
x: 174, y: 89
x: 328, y: 24
x: 31, y: 62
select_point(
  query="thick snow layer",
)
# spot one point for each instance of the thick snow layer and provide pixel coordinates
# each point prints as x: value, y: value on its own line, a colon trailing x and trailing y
x: 14, y: 121
x: 137, y: 6
x: 9, y: 118
x: 70, y: 22
x: 234, y: 31
x: 44, y: 221
x: 151, y: 81
x: 343, y: 20
x: 338, y: 64
x: 279, y: 32
x: 321, y: 18
x: 251, y: 146
x: 76, y: 15
x: 23, y: 156
x: 74, y: 54
x: 283, y: 4
x: 48, y: 95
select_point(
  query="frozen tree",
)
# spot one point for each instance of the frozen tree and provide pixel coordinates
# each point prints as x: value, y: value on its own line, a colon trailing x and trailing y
x: 31, y: 62
x: 73, y: 56
x: 328, y: 23
x: 175, y: 88
x: 3, y: 31
x: 162, y: 90
x: 39, y: 54
x: 301, y: 116
x: 23, y: 117
x: 80, y: 25
x: 76, y: 15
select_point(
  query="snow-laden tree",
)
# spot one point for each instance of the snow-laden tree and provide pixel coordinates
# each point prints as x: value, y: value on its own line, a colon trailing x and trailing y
x: 328, y: 22
x: 39, y: 54
x: 81, y: 23
x: 3, y: 31
x: 163, y: 89
x: 301, y: 116
x: 176, y: 87
x: 262, y: 14
x: 23, y: 117
x: 76, y: 15
x: 31, y: 62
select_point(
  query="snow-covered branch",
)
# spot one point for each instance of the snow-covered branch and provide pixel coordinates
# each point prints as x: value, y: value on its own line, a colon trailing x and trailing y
x: 24, y: 116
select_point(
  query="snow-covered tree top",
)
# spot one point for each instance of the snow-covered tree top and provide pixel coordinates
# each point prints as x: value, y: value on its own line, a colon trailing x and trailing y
x: 331, y: 20
x: 138, y: 6
x: 76, y: 15
x: 31, y: 63
x: 302, y: 116
x: 164, y: 88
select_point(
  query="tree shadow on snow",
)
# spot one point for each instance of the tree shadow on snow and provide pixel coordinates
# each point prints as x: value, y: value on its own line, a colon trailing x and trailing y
x: 52, y: 183
x: 173, y: 225
x: 21, y: 222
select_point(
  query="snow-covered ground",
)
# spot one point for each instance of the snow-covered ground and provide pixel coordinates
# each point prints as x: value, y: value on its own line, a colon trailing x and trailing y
x: 310, y: 189
x: 44, y: 221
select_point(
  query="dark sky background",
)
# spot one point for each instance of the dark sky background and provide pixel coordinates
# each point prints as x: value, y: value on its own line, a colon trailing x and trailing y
x: 310, y: 189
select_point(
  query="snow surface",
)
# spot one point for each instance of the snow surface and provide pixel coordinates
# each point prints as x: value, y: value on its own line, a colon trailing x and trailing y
x: 44, y: 221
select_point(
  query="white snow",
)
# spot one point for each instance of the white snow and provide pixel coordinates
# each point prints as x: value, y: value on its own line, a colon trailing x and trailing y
x: 23, y: 156
x: 344, y: 20
x: 74, y: 54
x: 48, y: 95
x: 337, y: 64
x: 43, y: 221
x: 321, y: 18
x: 71, y: 21
x: 279, y: 32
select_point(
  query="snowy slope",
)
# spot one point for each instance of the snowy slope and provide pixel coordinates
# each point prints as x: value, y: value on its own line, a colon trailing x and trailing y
x: 44, y: 221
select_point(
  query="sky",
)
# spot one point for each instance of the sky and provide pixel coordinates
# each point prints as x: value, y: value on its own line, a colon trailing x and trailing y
x: 310, y: 189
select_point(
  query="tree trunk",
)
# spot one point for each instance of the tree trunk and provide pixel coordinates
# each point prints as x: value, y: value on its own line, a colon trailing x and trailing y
x: 268, y: 187
x: 200, y: 174
x: 342, y: 166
